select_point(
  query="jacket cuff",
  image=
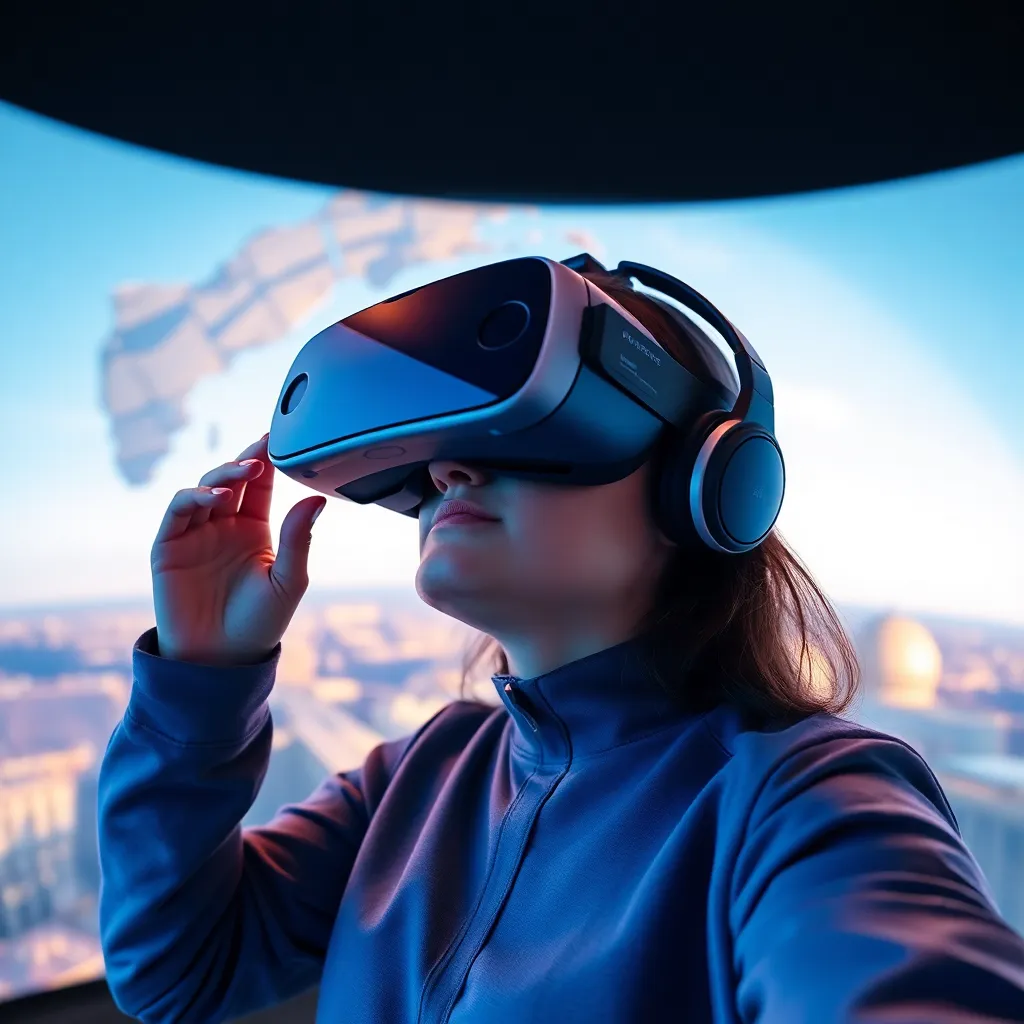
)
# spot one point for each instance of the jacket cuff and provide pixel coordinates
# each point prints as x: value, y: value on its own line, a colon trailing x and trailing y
x: 190, y: 703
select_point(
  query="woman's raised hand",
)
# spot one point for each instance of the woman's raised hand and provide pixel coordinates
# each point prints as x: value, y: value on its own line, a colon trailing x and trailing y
x: 221, y: 596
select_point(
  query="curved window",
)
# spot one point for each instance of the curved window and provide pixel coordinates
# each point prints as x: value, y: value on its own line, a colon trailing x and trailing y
x: 151, y: 309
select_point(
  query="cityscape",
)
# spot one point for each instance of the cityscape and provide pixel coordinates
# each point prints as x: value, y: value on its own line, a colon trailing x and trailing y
x: 359, y: 668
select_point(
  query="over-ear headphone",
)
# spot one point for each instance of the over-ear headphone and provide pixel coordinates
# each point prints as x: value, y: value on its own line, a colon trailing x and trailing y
x: 721, y: 483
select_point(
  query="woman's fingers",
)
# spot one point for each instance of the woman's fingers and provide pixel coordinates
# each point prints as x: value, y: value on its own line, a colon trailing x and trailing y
x: 232, y: 474
x: 239, y: 478
x: 255, y: 450
x: 222, y: 492
x: 235, y: 475
x: 186, y: 506
x: 290, y: 565
x: 259, y: 490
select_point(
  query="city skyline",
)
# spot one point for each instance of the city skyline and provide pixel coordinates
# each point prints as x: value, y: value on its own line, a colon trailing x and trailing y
x: 356, y: 670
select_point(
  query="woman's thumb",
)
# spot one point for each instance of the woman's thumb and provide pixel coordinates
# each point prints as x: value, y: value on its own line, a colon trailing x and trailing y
x: 290, y: 566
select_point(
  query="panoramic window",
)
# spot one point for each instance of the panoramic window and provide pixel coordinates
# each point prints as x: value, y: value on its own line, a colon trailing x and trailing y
x: 153, y: 305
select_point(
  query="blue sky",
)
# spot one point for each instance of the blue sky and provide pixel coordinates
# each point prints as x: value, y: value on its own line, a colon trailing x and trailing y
x: 900, y: 302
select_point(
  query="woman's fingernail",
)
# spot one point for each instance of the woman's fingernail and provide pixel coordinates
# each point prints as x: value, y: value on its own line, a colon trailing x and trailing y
x: 317, y: 512
x: 220, y: 490
x: 249, y: 462
x: 265, y: 436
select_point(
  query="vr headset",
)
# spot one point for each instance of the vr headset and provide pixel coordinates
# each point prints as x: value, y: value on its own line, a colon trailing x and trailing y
x: 529, y: 370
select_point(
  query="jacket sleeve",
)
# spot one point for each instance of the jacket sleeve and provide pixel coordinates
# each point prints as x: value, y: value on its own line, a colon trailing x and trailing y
x: 200, y: 919
x: 855, y: 900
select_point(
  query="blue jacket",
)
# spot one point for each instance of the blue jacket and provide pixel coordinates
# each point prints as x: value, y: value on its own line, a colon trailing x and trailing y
x: 589, y: 851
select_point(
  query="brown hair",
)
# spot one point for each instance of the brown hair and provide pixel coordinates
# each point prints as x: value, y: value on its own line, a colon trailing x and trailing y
x: 752, y: 628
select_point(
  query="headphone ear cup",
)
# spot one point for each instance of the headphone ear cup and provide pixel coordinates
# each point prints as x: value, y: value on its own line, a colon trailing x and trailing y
x: 721, y: 487
x: 671, y: 475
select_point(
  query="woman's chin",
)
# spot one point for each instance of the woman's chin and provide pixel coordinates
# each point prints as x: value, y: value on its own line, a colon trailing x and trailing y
x: 445, y: 575
x: 458, y: 585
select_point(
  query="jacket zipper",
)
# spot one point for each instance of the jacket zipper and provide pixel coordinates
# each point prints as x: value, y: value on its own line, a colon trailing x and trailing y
x: 517, y: 698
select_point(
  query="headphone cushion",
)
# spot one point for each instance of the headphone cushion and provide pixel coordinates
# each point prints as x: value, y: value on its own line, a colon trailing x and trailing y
x: 671, y: 471
x: 737, y: 485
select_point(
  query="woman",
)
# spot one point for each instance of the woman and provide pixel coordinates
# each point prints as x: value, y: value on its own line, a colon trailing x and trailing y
x: 664, y: 820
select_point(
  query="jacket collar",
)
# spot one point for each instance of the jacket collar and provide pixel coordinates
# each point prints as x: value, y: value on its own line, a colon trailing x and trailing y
x: 604, y: 700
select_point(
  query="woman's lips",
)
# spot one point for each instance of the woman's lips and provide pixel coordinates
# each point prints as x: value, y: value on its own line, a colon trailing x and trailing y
x: 462, y: 517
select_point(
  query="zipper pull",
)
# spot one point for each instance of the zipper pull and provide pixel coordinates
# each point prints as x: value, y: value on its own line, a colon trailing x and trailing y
x: 519, y: 701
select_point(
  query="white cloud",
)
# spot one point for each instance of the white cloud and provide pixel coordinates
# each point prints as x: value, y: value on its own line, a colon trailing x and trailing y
x: 806, y: 406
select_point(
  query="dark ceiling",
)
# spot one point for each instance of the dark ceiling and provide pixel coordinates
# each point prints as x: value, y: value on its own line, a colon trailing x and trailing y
x: 541, y: 102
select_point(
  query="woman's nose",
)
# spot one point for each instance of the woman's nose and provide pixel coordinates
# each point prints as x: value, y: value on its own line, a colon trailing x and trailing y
x: 447, y: 474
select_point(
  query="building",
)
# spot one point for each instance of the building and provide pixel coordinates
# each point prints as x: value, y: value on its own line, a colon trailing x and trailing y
x: 311, y: 741
x: 85, y: 847
x: 939, y: 733
x: 986, y: 793
x: 61, y: 713
x: 943, y: 701
x: 901, y: 663
x: 37, y: 826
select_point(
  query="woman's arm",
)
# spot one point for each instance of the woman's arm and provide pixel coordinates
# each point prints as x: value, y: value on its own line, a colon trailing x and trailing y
x: 855, y: 900
x: 200, y: 919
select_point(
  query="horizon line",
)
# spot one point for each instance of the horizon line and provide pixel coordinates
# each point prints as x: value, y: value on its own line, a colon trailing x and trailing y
x: 408, y: 591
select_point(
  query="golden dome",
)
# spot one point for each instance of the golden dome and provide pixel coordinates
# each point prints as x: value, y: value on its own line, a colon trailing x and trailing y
x: 905, y: 665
